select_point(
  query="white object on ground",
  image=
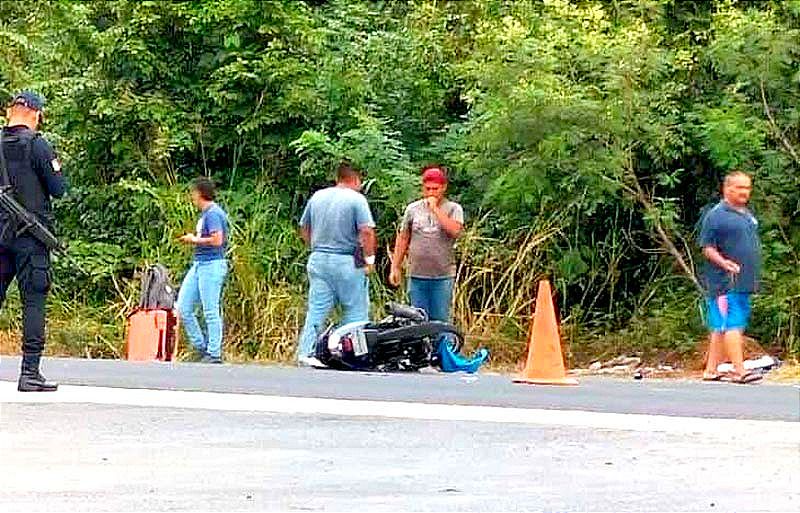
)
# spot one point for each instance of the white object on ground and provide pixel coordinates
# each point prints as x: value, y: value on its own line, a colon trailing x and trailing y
x: 309, y: 361
x: 763, y: 362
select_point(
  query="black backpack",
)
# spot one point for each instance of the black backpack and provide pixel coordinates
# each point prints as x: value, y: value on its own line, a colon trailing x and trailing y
x: 157, y: 289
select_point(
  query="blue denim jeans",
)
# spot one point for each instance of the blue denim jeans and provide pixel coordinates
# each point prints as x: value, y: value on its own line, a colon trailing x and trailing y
x: 332, y: 279
x: 432, y: 295
x: 203, y: 285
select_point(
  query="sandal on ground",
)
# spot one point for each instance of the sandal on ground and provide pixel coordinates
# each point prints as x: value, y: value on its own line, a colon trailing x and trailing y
x: 708, y: 376
x: 746, y: 378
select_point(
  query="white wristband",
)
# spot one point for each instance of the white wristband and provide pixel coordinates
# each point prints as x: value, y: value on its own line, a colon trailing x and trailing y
x: 370, y: 260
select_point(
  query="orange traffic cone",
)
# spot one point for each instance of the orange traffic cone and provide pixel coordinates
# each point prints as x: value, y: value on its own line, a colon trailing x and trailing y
x: 545, y: 365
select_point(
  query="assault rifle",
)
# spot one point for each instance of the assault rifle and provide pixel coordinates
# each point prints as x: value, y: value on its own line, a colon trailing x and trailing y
x: 24, y: 221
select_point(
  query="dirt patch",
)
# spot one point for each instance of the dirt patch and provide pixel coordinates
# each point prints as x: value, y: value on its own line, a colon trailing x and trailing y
x: 787, y: 373
x: 675, y: 366
x: 9, y: 342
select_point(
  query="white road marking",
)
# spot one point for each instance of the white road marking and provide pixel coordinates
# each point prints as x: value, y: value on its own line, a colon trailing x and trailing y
x: 772, y: 431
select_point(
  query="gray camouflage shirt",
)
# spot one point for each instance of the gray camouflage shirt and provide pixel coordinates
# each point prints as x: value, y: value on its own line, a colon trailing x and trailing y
x: 430, y: 252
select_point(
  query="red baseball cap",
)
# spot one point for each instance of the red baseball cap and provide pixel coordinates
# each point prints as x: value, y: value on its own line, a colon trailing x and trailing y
x: 435, y: 175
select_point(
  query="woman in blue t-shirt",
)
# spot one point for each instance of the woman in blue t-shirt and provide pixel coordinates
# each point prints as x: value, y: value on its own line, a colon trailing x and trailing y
x: 203, y: 283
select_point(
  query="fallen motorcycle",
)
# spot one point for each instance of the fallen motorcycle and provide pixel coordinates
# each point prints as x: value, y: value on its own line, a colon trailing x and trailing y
x: 405, y: 340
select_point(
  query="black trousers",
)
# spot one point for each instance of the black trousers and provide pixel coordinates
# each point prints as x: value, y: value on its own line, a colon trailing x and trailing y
x: 28, y: 260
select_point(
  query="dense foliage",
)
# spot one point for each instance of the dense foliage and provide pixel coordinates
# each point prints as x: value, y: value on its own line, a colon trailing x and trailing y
x: 584, y: 139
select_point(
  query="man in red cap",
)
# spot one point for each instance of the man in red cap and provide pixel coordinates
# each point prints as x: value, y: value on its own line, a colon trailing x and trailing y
x: 428, y: 233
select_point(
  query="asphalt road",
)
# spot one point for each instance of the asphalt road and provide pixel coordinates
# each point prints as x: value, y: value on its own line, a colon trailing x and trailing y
x: 188, y: 437
x: 655, y: 397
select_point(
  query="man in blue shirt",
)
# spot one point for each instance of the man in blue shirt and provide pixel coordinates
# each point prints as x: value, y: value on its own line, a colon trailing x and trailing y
x: 203, y: 283
x: 337, y: 224
x: 730, y: 242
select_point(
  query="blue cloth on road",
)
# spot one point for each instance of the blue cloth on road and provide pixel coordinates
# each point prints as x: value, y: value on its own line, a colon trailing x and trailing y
x: 451, y: 361
x: 203, y: 285
x: 333, y: 279
x: 334, y: 216
x: 734, y: 233
x: 433, y: 295
x: 213, y: 219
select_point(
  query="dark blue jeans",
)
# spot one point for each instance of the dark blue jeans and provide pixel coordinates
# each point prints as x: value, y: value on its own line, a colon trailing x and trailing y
x: 433, y: 295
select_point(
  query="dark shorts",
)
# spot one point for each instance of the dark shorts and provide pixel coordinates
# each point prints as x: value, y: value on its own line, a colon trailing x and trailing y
x: 728, y: 312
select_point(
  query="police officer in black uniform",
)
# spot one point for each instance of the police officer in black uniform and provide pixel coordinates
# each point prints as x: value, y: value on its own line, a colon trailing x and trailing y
x: 34, y: 173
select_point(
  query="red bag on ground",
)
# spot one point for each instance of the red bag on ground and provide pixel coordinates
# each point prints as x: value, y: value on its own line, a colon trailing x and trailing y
x: 151, y: 335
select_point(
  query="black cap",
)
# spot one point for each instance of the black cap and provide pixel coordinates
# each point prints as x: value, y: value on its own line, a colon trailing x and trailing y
x: 29, y: 99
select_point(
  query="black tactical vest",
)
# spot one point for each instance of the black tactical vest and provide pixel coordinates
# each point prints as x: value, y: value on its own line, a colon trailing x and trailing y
x: 29, y: 190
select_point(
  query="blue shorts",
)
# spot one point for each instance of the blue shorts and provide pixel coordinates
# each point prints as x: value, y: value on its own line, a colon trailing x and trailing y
x: 728, y: 312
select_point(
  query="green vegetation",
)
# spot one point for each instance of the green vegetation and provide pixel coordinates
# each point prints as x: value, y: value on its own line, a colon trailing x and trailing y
x: 584, y: 139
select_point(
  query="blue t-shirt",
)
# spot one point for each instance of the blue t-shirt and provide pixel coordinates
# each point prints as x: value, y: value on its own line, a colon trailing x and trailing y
x: 213, y: 219
x: 334, y: 216
x: 734, y: 233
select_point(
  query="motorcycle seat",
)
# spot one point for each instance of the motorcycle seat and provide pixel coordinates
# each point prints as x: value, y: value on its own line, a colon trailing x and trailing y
x: 407, y: 312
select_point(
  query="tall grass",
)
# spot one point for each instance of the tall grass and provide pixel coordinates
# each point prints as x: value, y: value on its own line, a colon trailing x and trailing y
x: 496, y: 288
x: 265, y: 294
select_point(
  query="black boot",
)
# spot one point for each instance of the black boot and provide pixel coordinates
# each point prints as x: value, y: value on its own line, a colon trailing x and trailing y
x: 30, y: 379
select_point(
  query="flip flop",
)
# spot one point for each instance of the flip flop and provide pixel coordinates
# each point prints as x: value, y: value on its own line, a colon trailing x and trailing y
x: 712, y: 377
x: 746, y: 378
